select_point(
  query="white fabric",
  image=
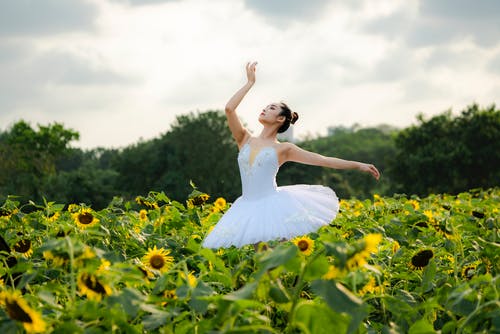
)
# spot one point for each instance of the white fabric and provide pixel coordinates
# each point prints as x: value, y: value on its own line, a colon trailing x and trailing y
x: 265, y: 211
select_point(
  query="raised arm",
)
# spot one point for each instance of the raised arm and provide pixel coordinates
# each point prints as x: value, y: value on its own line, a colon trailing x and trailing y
x: 297, y: 154
x: 240, y: 133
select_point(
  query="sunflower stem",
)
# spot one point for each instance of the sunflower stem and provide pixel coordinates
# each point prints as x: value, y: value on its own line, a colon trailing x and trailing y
x: 72, y: 269
x: 298, y: 289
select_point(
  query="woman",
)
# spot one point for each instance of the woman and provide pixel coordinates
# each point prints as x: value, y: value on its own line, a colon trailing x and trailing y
x: 265, y: 211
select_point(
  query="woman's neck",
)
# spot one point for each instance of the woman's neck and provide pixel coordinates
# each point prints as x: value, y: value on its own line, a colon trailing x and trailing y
x: 268, y: 133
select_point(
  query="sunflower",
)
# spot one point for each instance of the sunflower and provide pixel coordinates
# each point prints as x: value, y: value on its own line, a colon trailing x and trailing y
x: 170, y: 294
x: 6, y: 213
x: 52, y: 217
x: 371, y: 242
x: 344, y: 204
x: 430, y: 216
x: 470, y: 270
x: 104, y: 266
x: 305, y: 245
x: 143, y: 215
x: 422, y: 258
x: 369, y: 245
x: 85, y: 218
x: 18, y: 309
x: 24, y: 247
x: 334, y: 272
x: 198, y: 200
x: 220, y: 204
x: 149, y: 204
x: 190, y: 279
x: 372, y: 287
x: 90, y: 286
x: 57, y: 261
x: 158, y: 259
x: 395, y: 246
x: 72, y: 208
x: 414, y: 204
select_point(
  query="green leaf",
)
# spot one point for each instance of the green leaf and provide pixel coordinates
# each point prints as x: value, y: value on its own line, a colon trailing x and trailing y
x: 245, y: 292
x: 428, y: 277
x: 154, y: 320
x: 278, y: 295
x: 279, y: 256
x: 449, y: 328
x: 338, y: 250
x: 316, y: 268
x: 129, y: 299
x: 422, y: 326
x: 340, y: 299
x: 67, y: 327
x: 319, y: 319
x: 201, y: 290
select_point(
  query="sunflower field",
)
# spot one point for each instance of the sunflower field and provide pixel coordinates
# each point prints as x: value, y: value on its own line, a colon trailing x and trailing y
x: 387, y: 265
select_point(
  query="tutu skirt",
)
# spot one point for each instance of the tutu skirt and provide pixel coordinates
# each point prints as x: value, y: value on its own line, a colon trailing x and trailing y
x: 288, y: 212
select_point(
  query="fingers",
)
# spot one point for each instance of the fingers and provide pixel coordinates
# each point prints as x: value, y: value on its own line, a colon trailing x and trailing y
x: 374, y: 172
x: 251, y: 65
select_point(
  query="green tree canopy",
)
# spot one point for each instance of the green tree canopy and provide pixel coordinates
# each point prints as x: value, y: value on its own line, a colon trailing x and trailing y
x: 449, y: 154
x: 29, y: 155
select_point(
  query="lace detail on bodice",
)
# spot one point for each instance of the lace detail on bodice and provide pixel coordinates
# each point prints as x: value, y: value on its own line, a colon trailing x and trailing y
x: 259, y: 178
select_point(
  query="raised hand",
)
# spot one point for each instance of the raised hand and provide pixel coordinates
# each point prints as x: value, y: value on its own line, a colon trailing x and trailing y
x: 251, y: 71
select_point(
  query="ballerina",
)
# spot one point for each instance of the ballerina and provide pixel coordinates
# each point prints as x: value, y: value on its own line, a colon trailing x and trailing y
x: 264, y: 211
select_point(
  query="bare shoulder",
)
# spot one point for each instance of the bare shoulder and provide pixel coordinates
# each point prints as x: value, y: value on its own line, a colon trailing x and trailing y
x: 285, y: 147
x: 284, y: 150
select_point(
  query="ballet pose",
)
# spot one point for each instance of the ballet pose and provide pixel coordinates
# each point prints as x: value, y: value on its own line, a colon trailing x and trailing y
x: 265, y: 211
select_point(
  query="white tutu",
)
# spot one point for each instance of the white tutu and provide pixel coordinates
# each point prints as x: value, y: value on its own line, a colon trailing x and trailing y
x: 266, y: 212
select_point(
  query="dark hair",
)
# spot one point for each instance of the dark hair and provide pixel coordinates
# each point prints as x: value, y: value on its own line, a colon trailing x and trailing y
x: 290, y: 117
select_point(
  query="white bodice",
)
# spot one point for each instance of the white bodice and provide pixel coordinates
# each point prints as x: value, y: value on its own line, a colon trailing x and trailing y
x: 258, y: 179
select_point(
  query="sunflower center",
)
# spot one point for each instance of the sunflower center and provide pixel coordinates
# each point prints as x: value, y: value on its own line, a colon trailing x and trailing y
x: 16, y: 312
x: 421, y: 259
x: 85, y: 218
x: 93, y: 284
x: 157, y: 261
x: 22, y: 246
x: 303, y: 245
x: 4, y: 213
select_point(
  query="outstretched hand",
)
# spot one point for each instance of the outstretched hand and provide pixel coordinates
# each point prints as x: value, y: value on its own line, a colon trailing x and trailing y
x: 368, y: 168
x: 251, y: 71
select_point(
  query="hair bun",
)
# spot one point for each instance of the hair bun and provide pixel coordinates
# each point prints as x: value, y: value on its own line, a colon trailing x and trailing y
x: 295, y: 117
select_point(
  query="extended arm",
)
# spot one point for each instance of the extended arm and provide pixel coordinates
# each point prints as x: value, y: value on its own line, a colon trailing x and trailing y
x: 240, y: 133
x: 296, y: 154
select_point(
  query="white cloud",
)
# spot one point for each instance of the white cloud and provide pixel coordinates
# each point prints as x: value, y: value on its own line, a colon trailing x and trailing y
x: 127, y: 69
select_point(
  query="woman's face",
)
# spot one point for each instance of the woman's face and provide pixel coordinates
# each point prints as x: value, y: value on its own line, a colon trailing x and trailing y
x: 270, y: 114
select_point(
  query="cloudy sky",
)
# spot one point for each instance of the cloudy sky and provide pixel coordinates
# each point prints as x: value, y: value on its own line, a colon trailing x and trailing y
x: 120, y: 70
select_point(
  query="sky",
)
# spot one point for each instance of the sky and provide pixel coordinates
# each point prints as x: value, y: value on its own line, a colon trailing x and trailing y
x: 120, y: 71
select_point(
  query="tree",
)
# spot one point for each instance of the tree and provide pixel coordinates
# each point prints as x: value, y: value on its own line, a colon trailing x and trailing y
x: 198, y: 147
x: 28, y: 156
x: 449, y: 154
x: 205, y: 153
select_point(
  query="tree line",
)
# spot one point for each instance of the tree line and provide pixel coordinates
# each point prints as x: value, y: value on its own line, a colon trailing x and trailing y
x: 442, y: 154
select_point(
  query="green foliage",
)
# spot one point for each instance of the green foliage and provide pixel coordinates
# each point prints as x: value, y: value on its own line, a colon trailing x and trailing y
x: 449, y: 154
x: 199, y: 148
x: 205, y: 153
x: 442, y: 154
x: 364, y: 275
x: 28, y: 156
